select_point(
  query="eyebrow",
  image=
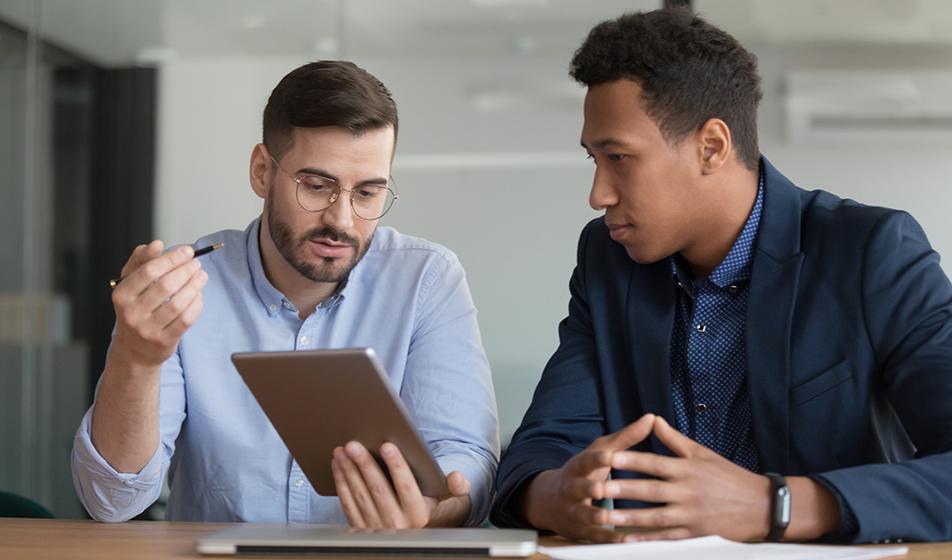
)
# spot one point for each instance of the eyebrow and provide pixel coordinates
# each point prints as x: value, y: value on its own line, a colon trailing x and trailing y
x: 383, y: 181
x: 604, y: 143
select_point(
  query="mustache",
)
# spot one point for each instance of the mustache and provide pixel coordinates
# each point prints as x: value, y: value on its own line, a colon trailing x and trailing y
x: 331, y: 234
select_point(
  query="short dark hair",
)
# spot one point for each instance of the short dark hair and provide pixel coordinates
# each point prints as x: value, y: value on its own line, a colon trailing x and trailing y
x: 326, y: 93
x: 689, y: 71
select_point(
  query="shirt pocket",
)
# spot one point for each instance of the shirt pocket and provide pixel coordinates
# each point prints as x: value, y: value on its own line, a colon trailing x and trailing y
x: 821, y: 383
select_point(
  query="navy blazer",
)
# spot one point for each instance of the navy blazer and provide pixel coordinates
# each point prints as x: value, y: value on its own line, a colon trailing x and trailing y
x: 849, y: 361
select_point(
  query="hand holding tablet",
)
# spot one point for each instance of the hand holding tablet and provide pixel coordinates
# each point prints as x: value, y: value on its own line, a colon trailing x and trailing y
x: 338, y: 404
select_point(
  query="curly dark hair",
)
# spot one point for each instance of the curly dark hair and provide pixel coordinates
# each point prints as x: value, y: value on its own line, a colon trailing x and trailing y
x: 689, y: 71
x: 326, y: 93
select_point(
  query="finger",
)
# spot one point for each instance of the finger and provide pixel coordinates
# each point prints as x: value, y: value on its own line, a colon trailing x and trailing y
x: 584, y: 515
x: 590, y: 460
x: 175, y: 329
x: 457, y: 484
x: 175, y: 304
x: 648, y: 463
x: 630, y: 435
x: 380, y: 488
x: 347, y: 502
x: 142, y: 277
x: 665, y: 517
x: 140, y: 255
x: 681, y: 445
x: 579, y: 489
x: 645, y: 490
x: 674, y: 534
x: 408, y: 491
x: 162, y: 289
x: 358, y: 489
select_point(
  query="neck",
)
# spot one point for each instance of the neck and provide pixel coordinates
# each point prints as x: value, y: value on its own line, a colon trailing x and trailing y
x: 721, y: 220
x: 303, y: 292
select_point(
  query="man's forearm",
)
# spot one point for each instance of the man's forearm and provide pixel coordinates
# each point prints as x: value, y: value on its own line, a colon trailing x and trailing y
x: 125, y: 424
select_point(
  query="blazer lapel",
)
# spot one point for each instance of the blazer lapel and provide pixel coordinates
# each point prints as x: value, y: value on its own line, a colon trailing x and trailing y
x: 651, y: 300
x: 773, y: 291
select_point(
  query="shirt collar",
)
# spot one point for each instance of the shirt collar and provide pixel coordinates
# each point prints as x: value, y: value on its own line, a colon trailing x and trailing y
x: 735, y: 268
x: 272, y: 298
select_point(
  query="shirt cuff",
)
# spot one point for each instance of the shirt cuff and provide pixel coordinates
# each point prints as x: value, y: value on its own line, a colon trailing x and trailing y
x: 849, y: 526
x: 480, y: 485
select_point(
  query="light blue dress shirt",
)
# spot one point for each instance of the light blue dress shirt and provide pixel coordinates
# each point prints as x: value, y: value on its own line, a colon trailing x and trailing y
x: 407, y: 299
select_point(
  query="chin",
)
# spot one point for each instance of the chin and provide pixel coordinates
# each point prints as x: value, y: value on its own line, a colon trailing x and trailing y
x: 645, y: 255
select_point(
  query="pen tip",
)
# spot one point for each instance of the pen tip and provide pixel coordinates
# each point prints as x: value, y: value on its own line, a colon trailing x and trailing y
x: 218, y: 246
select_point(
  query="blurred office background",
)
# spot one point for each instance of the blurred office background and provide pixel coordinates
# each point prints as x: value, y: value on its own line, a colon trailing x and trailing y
x: 125, y: 120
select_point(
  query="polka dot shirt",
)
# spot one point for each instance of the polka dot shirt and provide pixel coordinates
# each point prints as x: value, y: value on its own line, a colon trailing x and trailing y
x: 708, y: 350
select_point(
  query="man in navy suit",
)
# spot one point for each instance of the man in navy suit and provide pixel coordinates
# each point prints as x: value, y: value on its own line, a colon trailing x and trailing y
x: 745, y: 358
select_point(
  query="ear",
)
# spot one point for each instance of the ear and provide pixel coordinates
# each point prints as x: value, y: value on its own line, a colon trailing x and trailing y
x: 260, y: 170
x: 714, y: 145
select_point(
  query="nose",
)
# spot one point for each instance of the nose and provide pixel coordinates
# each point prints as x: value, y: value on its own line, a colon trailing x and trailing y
x: 340, y: 214
x: 603, y: 193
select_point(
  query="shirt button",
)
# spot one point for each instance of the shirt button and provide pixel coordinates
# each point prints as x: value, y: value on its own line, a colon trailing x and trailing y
x: 299, y: 483
x: 305, y: 341
x: 701, y: 328
x: 732, y: 288
x: 273, y: 307
x: 701, y: 408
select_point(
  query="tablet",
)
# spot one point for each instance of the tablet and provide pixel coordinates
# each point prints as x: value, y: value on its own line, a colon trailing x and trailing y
x: 321, y: 399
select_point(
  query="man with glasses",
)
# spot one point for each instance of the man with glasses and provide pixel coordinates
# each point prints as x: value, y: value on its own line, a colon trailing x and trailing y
x: 314, y: 271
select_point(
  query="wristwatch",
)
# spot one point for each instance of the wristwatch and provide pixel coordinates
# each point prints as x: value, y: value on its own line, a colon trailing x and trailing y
x: 779, y: 506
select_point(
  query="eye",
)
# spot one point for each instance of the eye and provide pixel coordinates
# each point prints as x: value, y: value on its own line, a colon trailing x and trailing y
x: 368, y: 193
x: 317, y: 184
x: 616, y: 157
x: 591, y: 156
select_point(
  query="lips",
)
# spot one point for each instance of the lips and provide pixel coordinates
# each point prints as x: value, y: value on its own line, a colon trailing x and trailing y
x: 618, y: 231
x: 325, y: 248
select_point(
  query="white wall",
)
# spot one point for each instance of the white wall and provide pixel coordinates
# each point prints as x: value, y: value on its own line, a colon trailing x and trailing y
x: 514, y: 225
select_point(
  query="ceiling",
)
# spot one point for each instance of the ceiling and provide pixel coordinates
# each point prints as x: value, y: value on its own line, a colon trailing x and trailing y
x: 121, y: 32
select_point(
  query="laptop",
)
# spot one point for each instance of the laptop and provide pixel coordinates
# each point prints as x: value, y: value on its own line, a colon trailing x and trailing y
x: 327, y: 539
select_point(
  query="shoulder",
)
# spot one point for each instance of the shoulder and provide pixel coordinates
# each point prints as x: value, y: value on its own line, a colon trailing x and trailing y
x: 842, y: 222
x: 390, y: 247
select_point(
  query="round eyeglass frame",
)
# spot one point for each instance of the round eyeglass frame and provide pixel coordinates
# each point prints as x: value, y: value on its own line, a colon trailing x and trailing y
x: 338, y: 189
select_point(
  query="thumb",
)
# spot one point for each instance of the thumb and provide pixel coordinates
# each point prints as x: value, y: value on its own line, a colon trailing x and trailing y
x: 457, y: 484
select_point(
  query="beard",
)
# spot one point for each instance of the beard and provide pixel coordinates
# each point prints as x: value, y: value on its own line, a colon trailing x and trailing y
x: 294, y: 250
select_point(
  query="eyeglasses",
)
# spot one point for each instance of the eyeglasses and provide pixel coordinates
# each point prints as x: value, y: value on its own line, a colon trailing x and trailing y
x: 316, y: 194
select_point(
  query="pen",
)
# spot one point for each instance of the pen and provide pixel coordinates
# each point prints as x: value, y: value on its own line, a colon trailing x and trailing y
x: 198, y: 252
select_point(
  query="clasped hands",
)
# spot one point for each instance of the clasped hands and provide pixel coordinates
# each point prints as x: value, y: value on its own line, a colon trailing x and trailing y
x: 697, y: 492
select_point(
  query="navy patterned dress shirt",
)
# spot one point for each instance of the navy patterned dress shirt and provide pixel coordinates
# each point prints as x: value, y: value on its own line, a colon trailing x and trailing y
x: 708, y: 351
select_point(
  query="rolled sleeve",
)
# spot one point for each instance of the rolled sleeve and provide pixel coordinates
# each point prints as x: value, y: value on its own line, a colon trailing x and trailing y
x: 107, y: 494
x: 448, y: 388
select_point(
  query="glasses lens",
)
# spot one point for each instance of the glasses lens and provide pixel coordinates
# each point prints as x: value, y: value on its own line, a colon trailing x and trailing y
x: 316, y: 193
x: 372, y: 202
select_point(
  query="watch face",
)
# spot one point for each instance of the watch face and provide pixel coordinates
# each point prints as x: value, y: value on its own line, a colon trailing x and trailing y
x: 781, y: 516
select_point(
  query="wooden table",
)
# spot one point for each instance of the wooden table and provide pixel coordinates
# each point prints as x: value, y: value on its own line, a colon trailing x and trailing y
x: 49, y: 539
